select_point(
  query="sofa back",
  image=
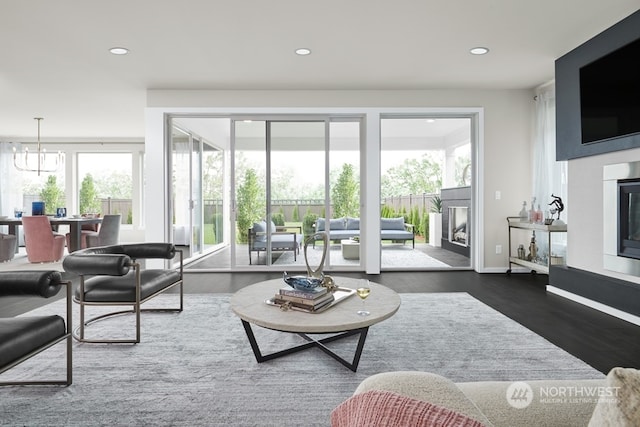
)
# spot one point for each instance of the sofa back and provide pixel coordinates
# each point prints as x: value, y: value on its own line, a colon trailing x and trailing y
x: 392, y: 223
x: 334, y: 224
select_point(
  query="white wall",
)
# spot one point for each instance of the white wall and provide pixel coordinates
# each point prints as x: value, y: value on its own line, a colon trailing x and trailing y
x: 585, y: 212
x: 506, y: 156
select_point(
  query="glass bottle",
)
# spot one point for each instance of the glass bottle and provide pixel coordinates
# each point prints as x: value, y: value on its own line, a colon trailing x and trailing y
x: 524, y: 215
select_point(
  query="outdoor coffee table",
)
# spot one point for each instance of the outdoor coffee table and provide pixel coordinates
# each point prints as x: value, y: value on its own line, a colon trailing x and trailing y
x: 350, y: 249
x: 342, y: 318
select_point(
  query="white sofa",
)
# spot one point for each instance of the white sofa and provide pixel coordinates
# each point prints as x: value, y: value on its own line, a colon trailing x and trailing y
x: 500, y: 403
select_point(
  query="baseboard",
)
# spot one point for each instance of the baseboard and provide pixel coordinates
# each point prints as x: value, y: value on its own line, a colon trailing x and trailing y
x: 595, y: 305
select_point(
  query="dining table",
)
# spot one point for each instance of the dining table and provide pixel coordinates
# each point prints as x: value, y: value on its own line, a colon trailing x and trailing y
x: 75, y: 228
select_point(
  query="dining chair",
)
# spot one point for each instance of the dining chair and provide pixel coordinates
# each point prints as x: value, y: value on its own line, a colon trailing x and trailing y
x: 7, y: 247
x: 108, y: 233
x: 41, y: 243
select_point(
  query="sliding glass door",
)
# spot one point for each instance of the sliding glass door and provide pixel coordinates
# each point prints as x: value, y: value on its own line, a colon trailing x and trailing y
x: 280, y: 178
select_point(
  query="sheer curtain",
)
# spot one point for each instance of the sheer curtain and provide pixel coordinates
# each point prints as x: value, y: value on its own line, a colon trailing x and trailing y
x: 10, y: 180
x: 549, y: 175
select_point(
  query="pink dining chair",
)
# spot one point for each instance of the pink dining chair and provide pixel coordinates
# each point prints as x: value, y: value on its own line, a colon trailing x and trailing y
x: 41, y: 243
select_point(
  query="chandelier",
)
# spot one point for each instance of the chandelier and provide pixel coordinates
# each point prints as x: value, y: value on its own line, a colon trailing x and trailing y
x: 23, y: 162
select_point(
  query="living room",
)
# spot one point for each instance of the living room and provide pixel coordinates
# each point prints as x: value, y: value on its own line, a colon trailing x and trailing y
x: 503, y: 170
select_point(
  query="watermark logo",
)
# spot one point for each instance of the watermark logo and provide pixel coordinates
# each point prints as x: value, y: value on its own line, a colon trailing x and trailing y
x: 519, y: 395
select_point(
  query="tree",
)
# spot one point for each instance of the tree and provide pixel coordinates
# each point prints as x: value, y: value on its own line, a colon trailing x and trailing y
x: 251, y: 203
x: 345, y: 194
x: 89, y: 201
x: 52, y: 195
x: 413, y: 176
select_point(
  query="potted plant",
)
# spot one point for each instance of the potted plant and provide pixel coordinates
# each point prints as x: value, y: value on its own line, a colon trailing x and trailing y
x: 435, y: 222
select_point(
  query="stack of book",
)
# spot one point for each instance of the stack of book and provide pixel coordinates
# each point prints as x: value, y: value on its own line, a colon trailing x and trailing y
x: 308, y: 300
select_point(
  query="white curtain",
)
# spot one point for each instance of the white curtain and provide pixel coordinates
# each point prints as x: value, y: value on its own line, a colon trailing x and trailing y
x: 549, y: 175
x: 10, y: 180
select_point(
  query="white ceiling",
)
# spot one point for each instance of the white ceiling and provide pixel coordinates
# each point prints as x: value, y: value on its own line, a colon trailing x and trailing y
x: 54, y: 59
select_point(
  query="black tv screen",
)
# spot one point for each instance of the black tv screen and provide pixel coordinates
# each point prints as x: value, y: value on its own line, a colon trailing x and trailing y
x: 610, y: 95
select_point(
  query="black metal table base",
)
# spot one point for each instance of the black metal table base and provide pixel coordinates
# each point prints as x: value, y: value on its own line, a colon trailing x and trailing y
x: 311, y: 343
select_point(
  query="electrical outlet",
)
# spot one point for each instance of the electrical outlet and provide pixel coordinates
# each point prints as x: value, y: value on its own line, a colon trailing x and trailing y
x: 498, y: 249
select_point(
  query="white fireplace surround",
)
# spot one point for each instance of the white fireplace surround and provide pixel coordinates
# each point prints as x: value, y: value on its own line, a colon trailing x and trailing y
x: 610, y: 177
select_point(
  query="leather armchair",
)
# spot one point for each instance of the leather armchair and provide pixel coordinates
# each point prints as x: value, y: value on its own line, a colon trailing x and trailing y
x: 25, y: 336
x: 113, y: 276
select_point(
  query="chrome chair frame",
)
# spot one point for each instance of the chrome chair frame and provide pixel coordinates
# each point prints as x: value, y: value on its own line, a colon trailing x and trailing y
x: 79, y: 331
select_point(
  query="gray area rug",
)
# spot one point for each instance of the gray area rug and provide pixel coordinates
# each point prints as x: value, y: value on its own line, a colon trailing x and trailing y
x: 391, y: 256
x: 196, y: 367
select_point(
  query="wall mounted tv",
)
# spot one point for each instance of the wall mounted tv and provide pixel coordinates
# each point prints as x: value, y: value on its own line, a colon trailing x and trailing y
x: 598, y: 93
x: 610, y: 95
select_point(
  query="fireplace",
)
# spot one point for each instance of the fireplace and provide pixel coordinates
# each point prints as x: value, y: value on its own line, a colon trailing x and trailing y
x: 621, y: 186
x: 458, y: 219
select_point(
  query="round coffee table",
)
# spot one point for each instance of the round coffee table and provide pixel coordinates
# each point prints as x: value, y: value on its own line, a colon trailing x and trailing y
x: 342, y: 318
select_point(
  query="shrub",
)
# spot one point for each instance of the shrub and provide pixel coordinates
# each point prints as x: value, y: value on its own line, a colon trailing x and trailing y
x: 277, y: 218
x: 308, y: 223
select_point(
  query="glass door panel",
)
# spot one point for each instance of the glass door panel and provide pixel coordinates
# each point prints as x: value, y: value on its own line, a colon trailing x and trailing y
x: 195, y: 204
x: 426, y: 179
x: 297, y: 180
x: 344, y: 159
x: 181, y: 190
x: 249, y: 171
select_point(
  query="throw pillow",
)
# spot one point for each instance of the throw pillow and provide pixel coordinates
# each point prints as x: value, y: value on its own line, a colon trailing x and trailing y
x: 619, y: 403
x: 384, y: 408
x: 320, y: 224
x: 260, y: 228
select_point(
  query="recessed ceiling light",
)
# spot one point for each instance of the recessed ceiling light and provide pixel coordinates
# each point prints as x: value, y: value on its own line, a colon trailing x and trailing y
x: 119, y: 50
x: 431, y: 120
x: 303, y: 51
x: 479, y: 50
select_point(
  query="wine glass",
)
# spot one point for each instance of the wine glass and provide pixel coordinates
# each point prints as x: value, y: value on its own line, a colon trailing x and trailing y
x: 363, y: 292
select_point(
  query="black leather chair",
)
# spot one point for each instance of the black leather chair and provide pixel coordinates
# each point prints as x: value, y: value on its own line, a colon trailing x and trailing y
x: 113, y: 276
x: 23, y: 337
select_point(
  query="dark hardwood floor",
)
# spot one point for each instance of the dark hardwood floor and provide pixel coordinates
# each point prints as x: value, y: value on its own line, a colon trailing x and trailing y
x: 600, y: 340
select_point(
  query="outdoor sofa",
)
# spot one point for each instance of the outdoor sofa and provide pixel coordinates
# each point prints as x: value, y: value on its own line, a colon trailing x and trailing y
x: 394, y: 229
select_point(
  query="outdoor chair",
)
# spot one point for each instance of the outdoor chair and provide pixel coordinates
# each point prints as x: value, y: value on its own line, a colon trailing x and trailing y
x: 281, y: 239
x: 23, y: 337
x: 41, y: 243
x: 113, y: 276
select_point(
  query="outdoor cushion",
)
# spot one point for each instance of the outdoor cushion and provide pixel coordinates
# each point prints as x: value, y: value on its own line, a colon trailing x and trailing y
x: 337, y: 224
x: 392, y: 223
x: 353, y: 223
x: 334, y: 224
x: 279, y: 241
x: 260, y: 228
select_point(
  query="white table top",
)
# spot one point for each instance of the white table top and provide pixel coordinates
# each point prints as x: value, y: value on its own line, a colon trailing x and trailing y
x: 249, y: 304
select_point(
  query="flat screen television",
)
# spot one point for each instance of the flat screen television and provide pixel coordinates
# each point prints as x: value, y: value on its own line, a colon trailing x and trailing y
x: 610, y: 95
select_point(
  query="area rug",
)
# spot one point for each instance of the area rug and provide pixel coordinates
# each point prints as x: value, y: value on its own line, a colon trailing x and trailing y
x: 391, y: 256
x: 196, y: 367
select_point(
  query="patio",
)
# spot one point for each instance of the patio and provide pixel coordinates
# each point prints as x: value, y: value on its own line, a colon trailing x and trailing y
x: 393, y: 257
